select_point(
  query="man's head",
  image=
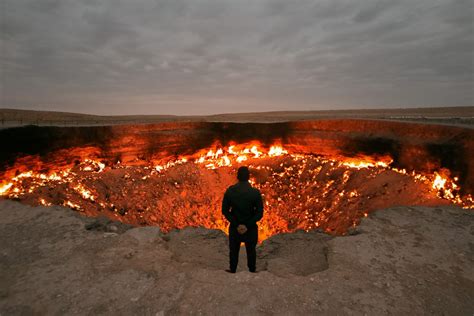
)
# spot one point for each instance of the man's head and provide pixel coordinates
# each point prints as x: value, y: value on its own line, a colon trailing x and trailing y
x: 243, y: 174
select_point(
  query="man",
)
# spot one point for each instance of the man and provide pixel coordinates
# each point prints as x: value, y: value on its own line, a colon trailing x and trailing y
x: 242, y: 206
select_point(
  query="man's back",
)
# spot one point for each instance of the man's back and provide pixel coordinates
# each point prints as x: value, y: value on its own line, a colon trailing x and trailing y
x: 245, y: 203
x: 242, y: 206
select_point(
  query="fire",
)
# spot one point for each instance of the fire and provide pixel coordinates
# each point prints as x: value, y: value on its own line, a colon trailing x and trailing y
x: 86, y: 194
x: 367, y: 162
x: 277, y: 151
x: 93, y: 165
x: 445, y: 186
x: 217, y: 156
x: 4, y: 188
x: 439, y: 182
x: 300, y: 191
x: 71, y: 205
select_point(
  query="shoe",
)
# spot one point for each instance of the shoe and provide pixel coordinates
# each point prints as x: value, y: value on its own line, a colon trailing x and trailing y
x: 252, y: 271
x: 230, y: 271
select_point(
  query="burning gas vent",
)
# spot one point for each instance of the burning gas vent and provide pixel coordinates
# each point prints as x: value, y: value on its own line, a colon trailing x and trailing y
x: 301, y: 190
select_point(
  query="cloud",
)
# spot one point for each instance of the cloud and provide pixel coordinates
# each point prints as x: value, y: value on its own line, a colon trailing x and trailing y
x: 211, y: 56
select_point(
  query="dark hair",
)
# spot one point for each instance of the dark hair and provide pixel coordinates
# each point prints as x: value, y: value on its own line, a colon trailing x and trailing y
x: 243, y: 174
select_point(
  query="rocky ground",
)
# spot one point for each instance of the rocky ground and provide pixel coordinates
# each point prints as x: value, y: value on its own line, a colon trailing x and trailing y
x: 402, y: 260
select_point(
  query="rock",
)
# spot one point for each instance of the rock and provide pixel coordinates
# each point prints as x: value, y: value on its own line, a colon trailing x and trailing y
x: 110, y: 235
x: 104, y: 224
x: 145, y: 234
x: 353, y: 231
x: 98, y: 224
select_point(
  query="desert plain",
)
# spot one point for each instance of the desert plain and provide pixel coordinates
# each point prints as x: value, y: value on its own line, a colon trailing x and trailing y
x: 403, y: 259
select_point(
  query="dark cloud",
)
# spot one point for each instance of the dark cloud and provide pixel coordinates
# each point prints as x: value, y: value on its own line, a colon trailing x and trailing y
x: 212, y: 56
x: 373, y: 10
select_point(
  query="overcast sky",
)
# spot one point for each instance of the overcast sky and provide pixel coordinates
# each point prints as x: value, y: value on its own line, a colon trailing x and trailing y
x: 218, y: 56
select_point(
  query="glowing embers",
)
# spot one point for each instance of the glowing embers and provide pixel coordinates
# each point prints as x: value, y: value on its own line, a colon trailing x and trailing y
x: 222, y: 157
x: 217, y: 156
x: 361, y: 164
x: 31, y: 182
x: 5, y: 188
x: 300, y: 191
x: 92, y: 165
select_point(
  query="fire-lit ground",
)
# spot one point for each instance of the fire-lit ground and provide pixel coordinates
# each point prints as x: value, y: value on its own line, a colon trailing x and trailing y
x: 300, y: 191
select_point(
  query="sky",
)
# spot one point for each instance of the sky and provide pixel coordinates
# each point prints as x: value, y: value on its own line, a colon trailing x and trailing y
x: 192, y: 57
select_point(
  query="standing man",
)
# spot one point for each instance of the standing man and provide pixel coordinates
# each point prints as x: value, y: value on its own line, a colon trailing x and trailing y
x: 242, y: 206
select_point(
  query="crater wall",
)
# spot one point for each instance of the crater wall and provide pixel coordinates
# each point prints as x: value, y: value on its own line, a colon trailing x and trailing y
x: 421, y: 147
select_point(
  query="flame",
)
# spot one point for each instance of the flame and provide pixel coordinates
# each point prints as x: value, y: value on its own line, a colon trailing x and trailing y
x: 92, y: 165
x: 277, y: 151
x: 439, y: 182
x: 300, y: 191
x: 241, y: 159
x: 367, y: 162
x: 86, y: 194
x: 228, y: 156
x: 444, y: 186
x: 72, y: 205
x: 4, y: 188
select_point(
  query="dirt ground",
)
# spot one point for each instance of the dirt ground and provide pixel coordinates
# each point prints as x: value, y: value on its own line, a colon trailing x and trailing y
x: 402, y: 260
x: 459, y: 116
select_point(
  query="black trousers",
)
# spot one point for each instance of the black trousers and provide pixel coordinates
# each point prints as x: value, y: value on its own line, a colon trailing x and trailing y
x: 250, y: 239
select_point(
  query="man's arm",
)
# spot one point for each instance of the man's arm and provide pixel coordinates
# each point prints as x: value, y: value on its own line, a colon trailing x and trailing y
x: 258, y: 206
x: 226, y: 209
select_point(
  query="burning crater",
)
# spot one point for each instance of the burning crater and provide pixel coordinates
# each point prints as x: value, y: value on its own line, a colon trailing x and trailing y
x: 321, y: 174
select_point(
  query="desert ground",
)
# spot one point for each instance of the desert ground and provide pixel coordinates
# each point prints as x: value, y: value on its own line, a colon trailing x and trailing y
x: 443, y: 115
x: 399, y: 261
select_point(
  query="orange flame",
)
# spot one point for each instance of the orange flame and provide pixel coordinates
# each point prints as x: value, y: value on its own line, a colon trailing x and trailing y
x: 291, y: 174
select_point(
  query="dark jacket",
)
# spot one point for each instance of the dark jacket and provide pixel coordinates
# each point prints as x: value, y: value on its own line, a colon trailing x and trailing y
x: 242, y: 204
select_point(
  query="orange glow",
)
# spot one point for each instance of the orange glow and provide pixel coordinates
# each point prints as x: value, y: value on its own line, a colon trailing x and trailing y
x: 277, y: 151
x: 300, y: 191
